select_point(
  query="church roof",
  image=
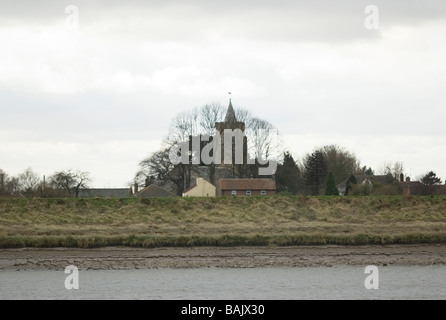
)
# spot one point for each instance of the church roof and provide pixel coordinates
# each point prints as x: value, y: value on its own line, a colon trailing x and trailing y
x: 230, y: 114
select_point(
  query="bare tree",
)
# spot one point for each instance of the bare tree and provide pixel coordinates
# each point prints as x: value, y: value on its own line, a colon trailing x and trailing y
x: 182, y: 126
x: 12, y: 186
x: 159, y: 168
x: 3, y: 181
x: 209, y: 114
x: 264, y: 141
x: 394, y: 169
x: 28, y: 182
x: 243, y: 115
x: 340, y: 162
x: 9, y: 186
x: 70, y: 181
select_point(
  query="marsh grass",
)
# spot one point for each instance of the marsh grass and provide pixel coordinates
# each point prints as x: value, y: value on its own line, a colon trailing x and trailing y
x: 228, y: 221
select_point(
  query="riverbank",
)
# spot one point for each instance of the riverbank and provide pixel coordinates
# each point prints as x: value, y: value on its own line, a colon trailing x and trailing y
x: 222, y: 222
x: 109, y: 258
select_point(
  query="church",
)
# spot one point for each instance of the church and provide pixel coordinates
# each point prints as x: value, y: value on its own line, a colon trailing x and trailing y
x: 231, y: 175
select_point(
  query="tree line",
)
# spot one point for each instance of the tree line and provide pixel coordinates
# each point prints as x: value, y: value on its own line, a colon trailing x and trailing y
x: 317, y: 173
x: 320, y: 173
x: 66, y: 183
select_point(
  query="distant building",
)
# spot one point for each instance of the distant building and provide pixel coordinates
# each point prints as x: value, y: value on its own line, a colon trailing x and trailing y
x: 411, y: 187
x: 238, y: 167
x: 408, y: 187
x: 105, y: 193
x: 232, y: 124
x: 365, y: 180
x: 202, y: 188
x: 230, y: 178
x: 246, y: 187
x: 417, y: 188
x: 154, y: 191
x: 440, y: 189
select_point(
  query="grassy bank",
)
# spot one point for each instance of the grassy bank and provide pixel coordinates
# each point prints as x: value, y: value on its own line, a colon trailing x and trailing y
x: 227, y: 221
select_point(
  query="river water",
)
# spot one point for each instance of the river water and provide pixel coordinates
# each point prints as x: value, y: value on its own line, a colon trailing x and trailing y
x: 338, y: 282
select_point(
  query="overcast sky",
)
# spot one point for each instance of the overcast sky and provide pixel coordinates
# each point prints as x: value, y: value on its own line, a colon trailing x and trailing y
x: 98, y: 95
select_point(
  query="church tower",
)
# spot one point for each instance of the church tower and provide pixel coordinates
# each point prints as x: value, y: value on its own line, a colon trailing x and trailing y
x: 230, y: 121
x: 232, y: 124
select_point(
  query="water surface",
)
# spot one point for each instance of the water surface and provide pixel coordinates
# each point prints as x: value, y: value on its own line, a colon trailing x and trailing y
x: 339, y: 282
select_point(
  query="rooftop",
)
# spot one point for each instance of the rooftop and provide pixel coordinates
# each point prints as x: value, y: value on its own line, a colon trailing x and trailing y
x: 153, y: 191
x: 104, y: 193
x: 247, y: 184
x: 230, y: 114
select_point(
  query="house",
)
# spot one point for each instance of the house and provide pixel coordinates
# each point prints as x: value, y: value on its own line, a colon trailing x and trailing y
x: 412, y: 187
x: 105, y: 193
x: 408, y: 187
x: 246, y: 187
x: 202, y: 188
x: 153, y: 191
x: 440, y: 189
x: 417, y: 188
x: 365, y: 180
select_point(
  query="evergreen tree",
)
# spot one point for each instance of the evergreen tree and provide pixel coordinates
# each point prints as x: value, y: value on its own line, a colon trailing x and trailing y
x: 348, y: 186
x: 288, y: 176
x: 330, y: 188
x: 429, y: 181
x: 315, y: 173
x: 390, y: 179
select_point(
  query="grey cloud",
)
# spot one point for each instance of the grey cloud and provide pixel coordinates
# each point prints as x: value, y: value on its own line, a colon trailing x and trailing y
x: 294, y: 21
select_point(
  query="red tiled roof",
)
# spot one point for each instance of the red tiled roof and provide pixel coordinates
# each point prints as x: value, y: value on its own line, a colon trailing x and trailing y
x: 247, y: 184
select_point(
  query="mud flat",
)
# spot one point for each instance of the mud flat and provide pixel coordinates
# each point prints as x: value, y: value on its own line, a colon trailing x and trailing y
x: 224, y: 257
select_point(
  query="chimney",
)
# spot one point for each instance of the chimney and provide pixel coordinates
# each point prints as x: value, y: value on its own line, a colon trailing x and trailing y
x: 407, y: 179
x: 147, y: 181
x: 2, y: 181
x: 43, y: 187
x: 401, y: 177
x: 136, y: 188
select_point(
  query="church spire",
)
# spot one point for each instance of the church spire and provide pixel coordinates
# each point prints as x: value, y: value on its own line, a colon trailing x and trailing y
x: 230, y: 114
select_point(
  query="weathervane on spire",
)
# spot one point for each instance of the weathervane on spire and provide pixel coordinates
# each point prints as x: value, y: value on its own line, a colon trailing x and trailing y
x: 229, y: 95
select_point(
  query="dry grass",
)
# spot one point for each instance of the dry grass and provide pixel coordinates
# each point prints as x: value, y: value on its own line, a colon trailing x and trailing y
x: 221, y: 221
